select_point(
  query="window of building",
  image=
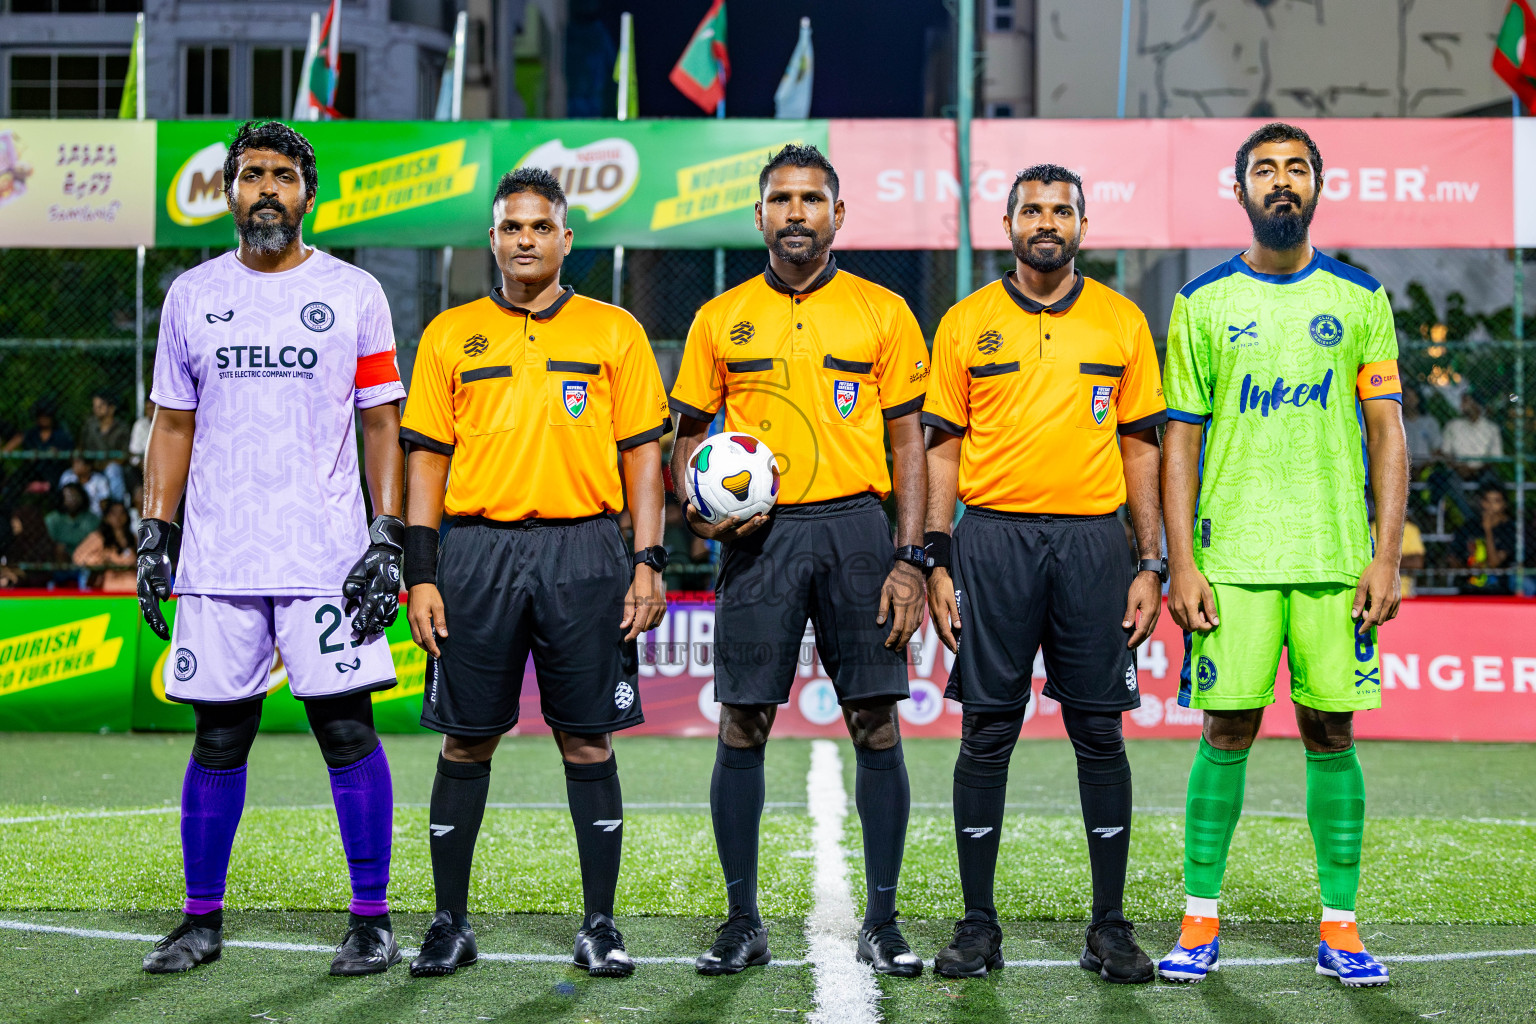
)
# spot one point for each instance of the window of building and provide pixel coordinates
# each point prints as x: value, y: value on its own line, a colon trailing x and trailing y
x: 276, y: 74
x: 206, y: 81
x: 68, y: 83
x: 73, y: 6
x: 1002, y: 15
x: 999, y: 109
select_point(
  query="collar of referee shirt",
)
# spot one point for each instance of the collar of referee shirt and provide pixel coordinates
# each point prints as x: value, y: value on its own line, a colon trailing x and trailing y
x: 547, y: 313
x: 1029, y: 305
x: 777, y: 283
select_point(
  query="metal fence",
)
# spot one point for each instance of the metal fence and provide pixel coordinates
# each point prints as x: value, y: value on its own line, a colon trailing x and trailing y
x: 67, y: 352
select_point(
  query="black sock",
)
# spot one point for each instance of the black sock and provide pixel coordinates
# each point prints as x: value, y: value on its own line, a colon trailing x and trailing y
x: 1104, y: 785
x: 458, y: 805
x: 597, y: 811
x: 736, y: 805
x: 980, y: 793
x: 884, y: 799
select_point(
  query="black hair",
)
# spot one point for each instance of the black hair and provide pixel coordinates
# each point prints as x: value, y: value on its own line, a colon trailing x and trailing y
x: 1048, y: 174
x: 532, y: 179
x: 279, y: 138
x: 799, y: 156
x: 1276, y: 131
x: 105, y: 396
x: 105, y: 528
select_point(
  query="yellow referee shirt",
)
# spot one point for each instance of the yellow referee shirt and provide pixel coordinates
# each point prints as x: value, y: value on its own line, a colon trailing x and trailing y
x: 534, y: 407
x: 812, y: 374
x: 1040, y: 395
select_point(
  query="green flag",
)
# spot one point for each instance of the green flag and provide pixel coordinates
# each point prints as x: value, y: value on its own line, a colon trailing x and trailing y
x: 1514, y: 60
x: 129, y: 107
x: 701, y: 71
x: 624, y: 70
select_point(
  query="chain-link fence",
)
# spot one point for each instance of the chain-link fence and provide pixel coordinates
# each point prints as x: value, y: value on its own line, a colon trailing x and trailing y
x: 71, y: 377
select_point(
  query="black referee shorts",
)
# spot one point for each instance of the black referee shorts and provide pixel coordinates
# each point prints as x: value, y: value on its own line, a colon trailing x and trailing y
x: 825, y: 562
x: 1023, y: 582
x: 554, y: 587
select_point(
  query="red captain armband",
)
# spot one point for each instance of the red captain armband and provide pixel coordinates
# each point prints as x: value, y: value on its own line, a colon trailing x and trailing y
x: 1378, y: 380
x: 376, y: 369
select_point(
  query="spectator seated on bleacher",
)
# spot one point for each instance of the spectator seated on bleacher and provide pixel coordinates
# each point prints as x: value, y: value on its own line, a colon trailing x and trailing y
x: 1465, y: 443
x: 111, y: 543
x: 29, y: 541
x: 1423, y: 430
x: 103, y: 431
x: 45, y: 435
x: 1488, y: 543
x: 97, y: 486
x: 69, y: 524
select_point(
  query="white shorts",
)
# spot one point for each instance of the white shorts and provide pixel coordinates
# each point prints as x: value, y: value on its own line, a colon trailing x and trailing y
x: 221, y: 649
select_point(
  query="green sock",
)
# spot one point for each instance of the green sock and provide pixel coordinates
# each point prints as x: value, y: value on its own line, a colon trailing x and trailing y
x: 1211, y: 809
x: 1336, y: 814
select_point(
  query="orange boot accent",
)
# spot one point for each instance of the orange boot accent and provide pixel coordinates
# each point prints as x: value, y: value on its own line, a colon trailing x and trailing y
x: 1197, y: 931
x: 1342, y: 935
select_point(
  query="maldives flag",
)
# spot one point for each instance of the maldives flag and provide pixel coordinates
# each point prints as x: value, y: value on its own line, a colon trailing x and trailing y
x: 1513, y: 59
x: 701, y: 71
x: 322, y: 70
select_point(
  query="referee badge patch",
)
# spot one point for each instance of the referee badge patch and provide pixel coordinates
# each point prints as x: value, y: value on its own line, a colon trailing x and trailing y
x: 845, y: 395
x: 575, y: 392
x: 1099, y: 401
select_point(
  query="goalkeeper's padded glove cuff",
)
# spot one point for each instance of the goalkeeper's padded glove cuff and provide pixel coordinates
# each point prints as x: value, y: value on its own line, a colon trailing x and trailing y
x: 420, y: 555
x: 155, y: 536
x: 387, y: 531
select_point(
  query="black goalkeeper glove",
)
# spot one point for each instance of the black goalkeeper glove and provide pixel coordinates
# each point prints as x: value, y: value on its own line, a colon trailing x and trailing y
x: 156, y: 574
x: 372, y: 588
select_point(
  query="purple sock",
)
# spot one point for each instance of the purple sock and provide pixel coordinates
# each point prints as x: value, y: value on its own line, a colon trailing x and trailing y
x: 365, y: 810
x: 211, y: 804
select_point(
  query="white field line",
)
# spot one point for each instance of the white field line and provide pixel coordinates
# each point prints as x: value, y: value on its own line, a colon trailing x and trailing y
x: 845, y: 989
x: 550, y: 958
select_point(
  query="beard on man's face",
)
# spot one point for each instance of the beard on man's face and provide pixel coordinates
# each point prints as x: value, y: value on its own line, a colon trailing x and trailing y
x: 1280, y: 230
x: 1027, y: 253
x: 269, y: 236
x: 808, y: 254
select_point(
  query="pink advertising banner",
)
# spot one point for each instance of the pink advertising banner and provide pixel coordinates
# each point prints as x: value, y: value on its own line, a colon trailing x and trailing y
x: 1390, y: 183
x: 1453, y: 669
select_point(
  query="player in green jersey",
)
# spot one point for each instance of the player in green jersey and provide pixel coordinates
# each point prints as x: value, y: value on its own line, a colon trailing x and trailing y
x: 1274, y: 359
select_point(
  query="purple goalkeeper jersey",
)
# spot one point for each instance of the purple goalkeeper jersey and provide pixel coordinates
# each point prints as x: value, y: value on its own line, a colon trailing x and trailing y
x: 275, y: 365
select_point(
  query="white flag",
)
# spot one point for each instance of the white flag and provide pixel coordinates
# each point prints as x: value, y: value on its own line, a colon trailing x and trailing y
x: 792, y: 99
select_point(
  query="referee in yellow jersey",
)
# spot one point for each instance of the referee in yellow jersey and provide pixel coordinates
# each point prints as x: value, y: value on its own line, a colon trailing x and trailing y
x: 821, y: 366
x: 548, y: 405
x: 1042, y: 414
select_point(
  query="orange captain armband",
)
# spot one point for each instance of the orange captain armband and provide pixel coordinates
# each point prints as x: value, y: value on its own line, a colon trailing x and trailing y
x: 1379, y: 380
x: 380, y: 368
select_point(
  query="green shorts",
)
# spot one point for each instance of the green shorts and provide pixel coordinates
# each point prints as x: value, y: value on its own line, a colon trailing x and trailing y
x: 1333, y: 666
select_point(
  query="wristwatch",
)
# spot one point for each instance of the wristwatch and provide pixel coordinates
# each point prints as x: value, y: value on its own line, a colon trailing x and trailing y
x: 915, y: 556
x: 1157, y: 565
x: 654, y: 556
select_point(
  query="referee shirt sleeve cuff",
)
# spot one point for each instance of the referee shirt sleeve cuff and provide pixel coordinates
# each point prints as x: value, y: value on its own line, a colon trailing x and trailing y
x: 650, y: 435
x: 1156, y: 419
x: 904, y: 408
x: 940, y: 423
x: 409, y: 436
x: 1187, y: 417
x: 690, y: 411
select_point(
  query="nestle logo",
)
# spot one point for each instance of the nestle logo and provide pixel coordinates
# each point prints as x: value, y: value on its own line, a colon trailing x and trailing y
x: 476, y: 345
x: 742, y: 333
x: 990, y: 342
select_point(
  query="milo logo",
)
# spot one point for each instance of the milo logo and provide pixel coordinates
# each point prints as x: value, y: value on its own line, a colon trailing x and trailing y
x: 597, y: 177
x: 196, y: 195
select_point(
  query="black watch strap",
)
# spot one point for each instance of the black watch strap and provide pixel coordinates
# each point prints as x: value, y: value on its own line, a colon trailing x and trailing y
x: 654, y: 556
x: 1157, y: 565
x: 914, y: 556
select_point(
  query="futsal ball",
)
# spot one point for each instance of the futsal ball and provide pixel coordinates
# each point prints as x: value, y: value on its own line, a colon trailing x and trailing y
x: 732, y: 474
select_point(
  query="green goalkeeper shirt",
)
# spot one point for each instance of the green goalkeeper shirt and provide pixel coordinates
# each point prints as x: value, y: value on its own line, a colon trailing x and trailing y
x: 1272, y: 365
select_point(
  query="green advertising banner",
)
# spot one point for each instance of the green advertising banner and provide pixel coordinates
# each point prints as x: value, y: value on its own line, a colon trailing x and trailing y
x: 416, y: 183
x: 67, y: 664
x: 643, y: 184
x: 396, y: 710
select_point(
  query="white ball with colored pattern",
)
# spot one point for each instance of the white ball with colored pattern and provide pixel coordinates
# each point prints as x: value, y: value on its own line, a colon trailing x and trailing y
x: 731, y: 474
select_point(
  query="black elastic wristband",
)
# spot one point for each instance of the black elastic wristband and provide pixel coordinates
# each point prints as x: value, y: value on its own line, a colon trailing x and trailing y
x: 420, y: 555
x: 936, y: 543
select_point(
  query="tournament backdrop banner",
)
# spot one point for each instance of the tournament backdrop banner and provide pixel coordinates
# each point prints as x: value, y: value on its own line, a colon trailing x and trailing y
x: 647, y: 184
x: 1389, y: 182
x: 76, y: 184
x: 67, y: 663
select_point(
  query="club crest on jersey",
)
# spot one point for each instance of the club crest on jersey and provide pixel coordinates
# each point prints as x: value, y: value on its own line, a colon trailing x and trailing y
x: 845, y: 395
x: 186, y: 665
x: 1326, y: 330
x: 317, y: 316
x: 1099, y: 404
x: 575, y: 397
x: 1205, y: 674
